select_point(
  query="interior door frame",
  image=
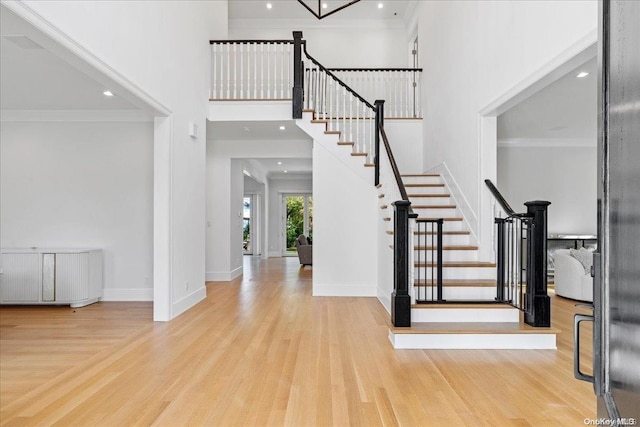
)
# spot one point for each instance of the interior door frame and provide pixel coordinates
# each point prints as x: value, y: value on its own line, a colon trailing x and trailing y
x: 283, y: 218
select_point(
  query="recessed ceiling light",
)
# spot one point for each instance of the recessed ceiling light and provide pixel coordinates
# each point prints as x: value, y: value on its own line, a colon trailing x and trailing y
x: 286, y: 171
x: 107, y: 93
x: 380, y: 5
x: 582, y: 74
x: 269, y: 5
x: 282, y: 128
x: 324, y: 5
x: 279, y: 163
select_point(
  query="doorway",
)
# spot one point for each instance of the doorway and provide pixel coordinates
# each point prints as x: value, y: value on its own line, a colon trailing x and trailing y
x: 297, y: 219
x: 248, y: 224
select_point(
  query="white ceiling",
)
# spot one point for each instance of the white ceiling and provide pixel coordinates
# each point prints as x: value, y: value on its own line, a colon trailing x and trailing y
x: 254, y: 131
x: 292, y: 9
x: 565, y: 109
x: 34, y: 75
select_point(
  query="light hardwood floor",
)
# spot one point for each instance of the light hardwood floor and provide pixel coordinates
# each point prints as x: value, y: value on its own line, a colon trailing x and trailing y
x: 262, y: 351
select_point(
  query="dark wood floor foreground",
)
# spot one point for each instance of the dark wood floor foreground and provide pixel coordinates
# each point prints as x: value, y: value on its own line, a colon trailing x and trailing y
x: 261, y: 351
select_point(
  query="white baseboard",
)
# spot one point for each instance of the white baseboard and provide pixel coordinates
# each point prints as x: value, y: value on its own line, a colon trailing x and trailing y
x: 222, y: 276
x: 114, y: 294
x: 189, y: 301
x: 343, y: 291
x: 473, y: 341
x: 385, y: 299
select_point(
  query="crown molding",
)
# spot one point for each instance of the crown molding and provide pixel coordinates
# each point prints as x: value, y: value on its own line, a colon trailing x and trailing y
x: 75, y: 116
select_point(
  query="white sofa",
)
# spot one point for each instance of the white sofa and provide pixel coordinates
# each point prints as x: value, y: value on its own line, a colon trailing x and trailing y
x: 571, y: 281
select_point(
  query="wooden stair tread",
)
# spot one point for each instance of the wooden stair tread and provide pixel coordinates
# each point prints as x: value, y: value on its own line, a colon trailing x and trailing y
x: 446, y: 219
x: 489, y: 305
x: 472, y: 328
x: 369, y: 165
x: 386, y: 219
x: 450, y: 233
x: 447, y: 248
x: 346, y: 143
x: 449, y: 264
x: 430, y: 195
x: 423, y: 185
x: 380, y: 196
x: 360, y: 154
x: 384, y: 207
x: 319, y: 121
x: 460, y: 282
x: 332, y: 132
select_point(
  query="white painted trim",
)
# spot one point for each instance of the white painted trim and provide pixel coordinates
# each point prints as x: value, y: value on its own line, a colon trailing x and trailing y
x: 189, y: 301
x: 471, y: 315
x: 469, y: 215
x: 575, y: 55
x: 114, y: 294
x: 223, y: 276
x: 75, y: 116
x: 271, y: 24
x: 344, y: 290
x: 385, y: 300
x: 474, y: 341
x: 547, y: 143
x: 241, y: 110
x: 69, y: 50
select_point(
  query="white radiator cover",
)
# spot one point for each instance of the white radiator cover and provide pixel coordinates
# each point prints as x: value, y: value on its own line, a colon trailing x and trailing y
x: 51, y: 276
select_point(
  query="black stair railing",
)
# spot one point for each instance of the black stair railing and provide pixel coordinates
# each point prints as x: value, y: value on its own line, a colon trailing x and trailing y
x: 521, y: 258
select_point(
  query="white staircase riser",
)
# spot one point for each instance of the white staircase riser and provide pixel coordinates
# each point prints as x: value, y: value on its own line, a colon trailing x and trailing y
x: 446, y: 255
x: 457, y: 293
x: 436, y: 213
x: 473, y: 341
x: 461, y: 273
x: 472, y: 315
x: 438, y: 200
x: 447, y: 239
x: 426, y: 190
x: 421, y: 180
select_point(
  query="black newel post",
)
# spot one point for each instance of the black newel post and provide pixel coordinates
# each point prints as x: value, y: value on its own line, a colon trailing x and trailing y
x: 500, y: 260
x: 400, y: 299
x: 379, y: 124
x: 538, y: 302
x: 298, y: 83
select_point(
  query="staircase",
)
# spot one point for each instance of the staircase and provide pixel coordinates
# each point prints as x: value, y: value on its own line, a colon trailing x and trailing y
x: 350, y: 128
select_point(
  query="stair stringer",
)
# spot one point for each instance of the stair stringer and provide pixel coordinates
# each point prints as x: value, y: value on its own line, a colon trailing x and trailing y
x: 330, y: 143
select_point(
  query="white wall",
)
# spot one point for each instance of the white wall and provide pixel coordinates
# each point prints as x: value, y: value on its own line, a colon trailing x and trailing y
x: 404, y: 138
x: 345, y: 237
x: 161, y: 47
x: 472, y: 53
x: 564, y: 175
x: 82, y: 185
x: 370, y: 44
x: 277, y: 189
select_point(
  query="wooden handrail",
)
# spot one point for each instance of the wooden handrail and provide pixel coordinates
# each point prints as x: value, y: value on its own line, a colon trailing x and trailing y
x: 250, y: 41
x: 394, y: 165
x: 376, y: 69
x: 333, y: 76
x: 496, y: 193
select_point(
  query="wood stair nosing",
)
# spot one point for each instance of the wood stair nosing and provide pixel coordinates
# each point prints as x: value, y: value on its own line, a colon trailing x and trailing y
x: 455, y: 232
x: 369, y: 165
x: 380, y: 196
x: 429, y: 195
x: 332, y: 132
x: 346, y: 143
x: 447, y: 248
x: 458, y: 264
x: 386, y: 219
x: 473, y: 328
x: 488, y: 305
x: 423, y: 185
x: 459, y: 282
x: 433, y: 207
x: 384, y: 207
x: 359, y: 154
x: 454, y: 219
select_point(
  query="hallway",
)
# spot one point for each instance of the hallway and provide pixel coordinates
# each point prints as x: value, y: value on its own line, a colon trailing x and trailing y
x: 261, y: 351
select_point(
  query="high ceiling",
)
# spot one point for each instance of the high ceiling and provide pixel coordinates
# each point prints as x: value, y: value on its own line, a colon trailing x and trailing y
x: 565, y: 109
x: 35, y: 74
x: 292, y: 9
